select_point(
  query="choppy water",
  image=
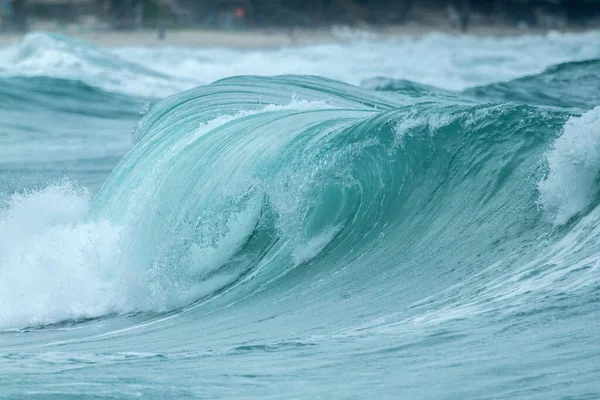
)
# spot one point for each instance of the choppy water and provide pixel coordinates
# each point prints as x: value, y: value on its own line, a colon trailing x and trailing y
x: 433, y: 233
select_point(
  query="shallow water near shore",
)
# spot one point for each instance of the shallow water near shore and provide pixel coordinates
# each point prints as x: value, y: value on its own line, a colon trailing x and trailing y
x: 413, y: 218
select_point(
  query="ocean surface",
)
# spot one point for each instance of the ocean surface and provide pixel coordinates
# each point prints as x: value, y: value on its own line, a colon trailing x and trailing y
x: 400, y: 219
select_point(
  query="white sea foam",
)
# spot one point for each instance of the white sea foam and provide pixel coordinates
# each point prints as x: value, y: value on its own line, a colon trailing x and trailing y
x: 53, y: 264
x: 443, y: 61
x: 57, y: 265
x: 574, y: 168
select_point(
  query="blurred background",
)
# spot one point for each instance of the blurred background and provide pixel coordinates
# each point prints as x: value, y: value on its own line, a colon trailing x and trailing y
x: 459, y: 15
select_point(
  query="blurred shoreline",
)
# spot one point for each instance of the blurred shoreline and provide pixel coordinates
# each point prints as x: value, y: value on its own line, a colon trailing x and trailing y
x: 275, y: 38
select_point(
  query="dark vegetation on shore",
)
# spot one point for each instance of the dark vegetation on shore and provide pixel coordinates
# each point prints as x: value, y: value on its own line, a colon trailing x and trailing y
x: 241, y: 14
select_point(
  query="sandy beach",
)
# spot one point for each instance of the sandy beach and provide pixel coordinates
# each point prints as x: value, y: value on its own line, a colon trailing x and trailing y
x: 274, y: 38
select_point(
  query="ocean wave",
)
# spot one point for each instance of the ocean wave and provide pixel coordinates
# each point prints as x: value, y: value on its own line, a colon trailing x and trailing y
x: 236, y: 188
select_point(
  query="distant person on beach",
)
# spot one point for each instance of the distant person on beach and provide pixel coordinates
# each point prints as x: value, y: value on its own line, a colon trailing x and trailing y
x: 138, y: 15
x: 162, y: 30
x: 464, y: 9
x: 459, y: 13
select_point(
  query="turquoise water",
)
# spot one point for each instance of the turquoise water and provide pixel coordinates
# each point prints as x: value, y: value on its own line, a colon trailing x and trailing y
x: 431, y: 236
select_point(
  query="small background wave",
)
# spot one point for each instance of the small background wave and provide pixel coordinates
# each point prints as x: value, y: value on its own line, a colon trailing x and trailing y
x: 448, y: 62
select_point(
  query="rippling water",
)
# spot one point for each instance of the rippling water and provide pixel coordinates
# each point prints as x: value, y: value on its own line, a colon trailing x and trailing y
x: 404, y: 219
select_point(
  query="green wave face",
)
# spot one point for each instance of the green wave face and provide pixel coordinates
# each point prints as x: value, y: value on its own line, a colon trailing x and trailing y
x: 245, y: 184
